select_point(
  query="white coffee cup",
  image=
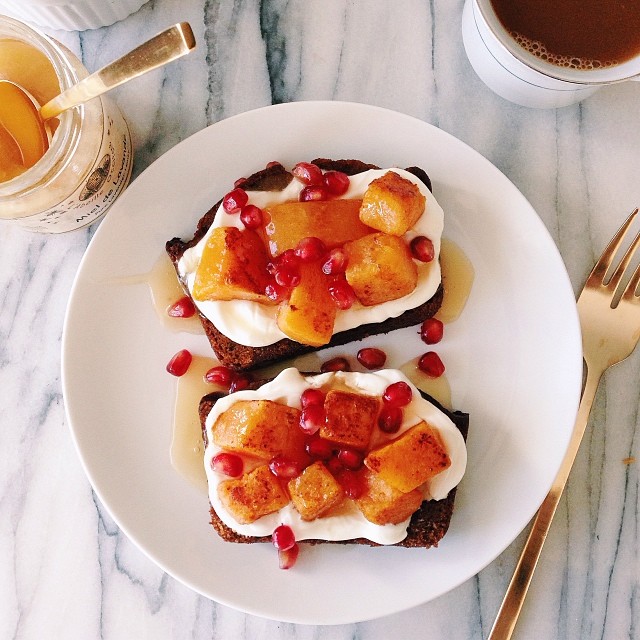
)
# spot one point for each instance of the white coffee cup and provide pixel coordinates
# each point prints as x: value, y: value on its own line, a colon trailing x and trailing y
x: 519, y: 76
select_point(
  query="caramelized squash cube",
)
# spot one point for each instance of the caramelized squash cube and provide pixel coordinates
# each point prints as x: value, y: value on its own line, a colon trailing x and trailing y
x: 392, y: 204
x: 233, y: 266
x: 261, y: 429
x: 253, y: 495
x: 315, y: 491
x: 380, y: 268
x: 333, y: 221
x: 309, y: 314
x: 350, y: 418
x: 382, y: 504
x: 410, y: 459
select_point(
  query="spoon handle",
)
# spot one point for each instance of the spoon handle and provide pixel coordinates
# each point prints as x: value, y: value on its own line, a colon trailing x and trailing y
x: 167, y: 46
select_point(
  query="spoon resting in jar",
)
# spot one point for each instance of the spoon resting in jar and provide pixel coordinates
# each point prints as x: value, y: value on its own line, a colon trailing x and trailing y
x: 25, y: 121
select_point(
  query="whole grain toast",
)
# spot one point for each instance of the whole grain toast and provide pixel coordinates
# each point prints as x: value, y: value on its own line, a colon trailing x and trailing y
x: 427, y: 526
x: 242, y: 357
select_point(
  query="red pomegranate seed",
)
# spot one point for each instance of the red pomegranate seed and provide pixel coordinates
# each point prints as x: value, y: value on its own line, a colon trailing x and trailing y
x: 235, y: 200
x: 422, y: 249
x: 431, y: 364
x: 371, y: 358
x: 335, y: 263
x: 283, y: 537
x: 307, y: 173
x: 352, y: 483
x: 335, y: 466
x: 221, y: 375
x: 312, y: 396
x: 275, y: 292
x: 183, y: 308
x: 397, y: 394
x: 350, y: 459
x: 312, y: 418
x: 239, y: 182
x: 228, y: 464
x: 180, y: 362
x: 319, y: 448
x: 310, y: 249
x: 251, y: 216
x: 273, y: 163
x: 313, y: 192
x: 431, y: 331
x: 390, y: 419
x: 286, y: 559
x: 240, y: 382
x: 283, y: 467
x: 336, y: 182
x: 342, y: 293
x: 335, y: 364
x: 287, y: 275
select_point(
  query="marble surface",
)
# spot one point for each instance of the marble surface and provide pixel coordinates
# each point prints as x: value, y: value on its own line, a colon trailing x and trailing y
x: 67, y: 571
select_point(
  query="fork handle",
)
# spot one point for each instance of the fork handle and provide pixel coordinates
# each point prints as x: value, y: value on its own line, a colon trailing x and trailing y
x: 516, y: 592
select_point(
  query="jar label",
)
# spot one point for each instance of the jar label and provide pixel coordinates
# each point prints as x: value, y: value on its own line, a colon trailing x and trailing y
x: 106, y: 180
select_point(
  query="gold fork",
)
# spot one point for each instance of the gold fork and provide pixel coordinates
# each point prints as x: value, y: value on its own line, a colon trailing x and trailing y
x: 610, y: 332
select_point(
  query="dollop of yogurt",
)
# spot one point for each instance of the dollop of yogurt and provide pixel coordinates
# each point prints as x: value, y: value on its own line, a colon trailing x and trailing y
x: 348, y: 522
x: 253, y: 324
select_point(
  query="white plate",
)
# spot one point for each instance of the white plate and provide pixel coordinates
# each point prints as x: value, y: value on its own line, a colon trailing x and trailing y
x: 513, y: 360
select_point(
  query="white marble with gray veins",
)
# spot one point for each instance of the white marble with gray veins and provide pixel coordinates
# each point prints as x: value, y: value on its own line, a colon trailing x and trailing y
x: 68, y: 572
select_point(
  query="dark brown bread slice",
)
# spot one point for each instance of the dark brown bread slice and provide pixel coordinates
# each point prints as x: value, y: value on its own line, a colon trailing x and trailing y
x: 428, y: 524
x: 242, y: 357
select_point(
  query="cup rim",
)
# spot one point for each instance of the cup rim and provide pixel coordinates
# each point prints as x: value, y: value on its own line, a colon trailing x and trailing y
x: 591, y: 77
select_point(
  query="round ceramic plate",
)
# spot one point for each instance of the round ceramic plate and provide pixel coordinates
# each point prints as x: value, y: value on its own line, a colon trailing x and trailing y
x: 519, y: 380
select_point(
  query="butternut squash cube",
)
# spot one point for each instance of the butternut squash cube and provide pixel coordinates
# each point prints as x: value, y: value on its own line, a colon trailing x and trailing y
x: 333, y: 221
x: 350, y: 418
x: 410, y: 459
x: 309, y: 314
x: 315, y: 491
x: 380, y: 268
x: 253, y: 495
x: 233, y: 266
x: 382, y: 504
x: 261, y: 429
x: 392, y: 204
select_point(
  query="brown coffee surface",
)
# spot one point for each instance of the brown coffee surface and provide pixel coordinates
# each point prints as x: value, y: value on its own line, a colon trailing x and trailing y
x: 582, y: 34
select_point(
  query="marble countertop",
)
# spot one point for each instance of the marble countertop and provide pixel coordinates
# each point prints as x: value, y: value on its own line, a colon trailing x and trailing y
x: 68, y: 571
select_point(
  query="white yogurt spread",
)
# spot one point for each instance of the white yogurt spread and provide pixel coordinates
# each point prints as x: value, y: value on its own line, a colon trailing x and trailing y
x: 254, y: 324
x: 349, y: 522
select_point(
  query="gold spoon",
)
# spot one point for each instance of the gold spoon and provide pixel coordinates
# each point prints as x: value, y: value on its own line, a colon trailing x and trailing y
x: 30, y: 130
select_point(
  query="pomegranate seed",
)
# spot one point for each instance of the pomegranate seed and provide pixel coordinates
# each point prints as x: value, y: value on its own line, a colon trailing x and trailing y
x: 228, y: 464
x: 352, y: 483
x: 335, y: 263
x: 313, y: 193
x: 286, y: 559
x: 422, y: 249
x: 183, y: 308
x: 288, y: 258
x: 312, y: 396
x: 335, y: 466
x: 319, y: 448
x: 336, y: 182
x: 287, y: 275
x: 307, y: 173
x: 350, y: 459
x: 397, y: 394
x: 235, y: 200
x: 273, y: 163
x: 335, y: 364
x: 180, y: 362
x: 390, y: 419
x: 221, y: 375
x: 431, y: 364
x: 239, y: 182
x: 312, y: 418
x: 431, y: 331
x: 283, y: 537
x: 310, y: 249
x: 283, y: 467
x: 275, y: 292
x: 342, y: 293
x: 240, y: 382
x: 371, y: 358
x: 251, y: 216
